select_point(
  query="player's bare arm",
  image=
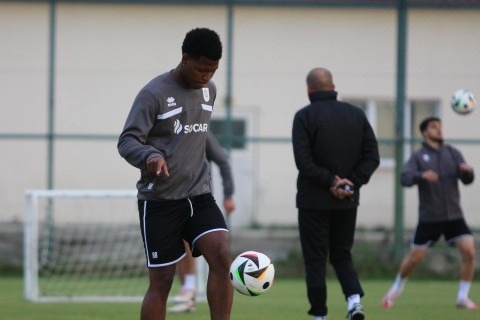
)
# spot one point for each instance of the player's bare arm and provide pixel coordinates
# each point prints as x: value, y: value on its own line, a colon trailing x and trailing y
x: 157, y: 165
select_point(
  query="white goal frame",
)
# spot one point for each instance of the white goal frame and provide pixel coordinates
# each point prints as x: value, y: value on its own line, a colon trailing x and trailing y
x: 31, y: 247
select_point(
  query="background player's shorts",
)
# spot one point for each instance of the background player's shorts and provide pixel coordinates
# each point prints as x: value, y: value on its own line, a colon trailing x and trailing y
x: 427, y: 233
x: 165, y: 224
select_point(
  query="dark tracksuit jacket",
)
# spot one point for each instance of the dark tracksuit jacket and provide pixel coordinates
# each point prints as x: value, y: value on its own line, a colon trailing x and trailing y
x: 331, y: 138
x: 439, y: 201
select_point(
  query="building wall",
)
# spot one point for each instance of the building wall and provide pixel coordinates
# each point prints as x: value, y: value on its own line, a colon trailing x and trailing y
x: 106, y: 53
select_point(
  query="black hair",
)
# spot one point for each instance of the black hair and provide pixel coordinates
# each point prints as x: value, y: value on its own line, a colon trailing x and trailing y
x: 426, y: 121
x: 202, y: 42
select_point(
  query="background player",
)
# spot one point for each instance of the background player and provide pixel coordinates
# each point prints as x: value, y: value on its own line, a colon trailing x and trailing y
x: 436, y: 168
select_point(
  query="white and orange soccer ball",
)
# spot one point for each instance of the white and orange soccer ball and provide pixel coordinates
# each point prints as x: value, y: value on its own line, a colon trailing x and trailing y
x: 463, y: 101
x: 252, y: 273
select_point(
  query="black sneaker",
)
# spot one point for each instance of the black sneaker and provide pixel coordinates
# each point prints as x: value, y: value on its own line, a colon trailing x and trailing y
x: 356, y: 313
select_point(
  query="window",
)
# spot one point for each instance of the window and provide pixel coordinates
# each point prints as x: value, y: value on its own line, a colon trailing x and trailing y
x: 381, y: 115
x: 238, y: 127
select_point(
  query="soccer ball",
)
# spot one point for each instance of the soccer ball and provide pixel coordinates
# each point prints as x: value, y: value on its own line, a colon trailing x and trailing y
x: 463, y: 101
x: 252, y: 273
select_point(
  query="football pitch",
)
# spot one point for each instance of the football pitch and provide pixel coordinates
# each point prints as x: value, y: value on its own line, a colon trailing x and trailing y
x: 422, y: 300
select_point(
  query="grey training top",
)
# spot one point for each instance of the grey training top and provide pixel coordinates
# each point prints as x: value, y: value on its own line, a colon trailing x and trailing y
x: 438, y: 201
x: 169, y: 121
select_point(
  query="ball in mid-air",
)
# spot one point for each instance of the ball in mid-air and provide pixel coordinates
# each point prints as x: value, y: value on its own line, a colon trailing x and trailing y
x: 252, y: 273
x: 463, y: 101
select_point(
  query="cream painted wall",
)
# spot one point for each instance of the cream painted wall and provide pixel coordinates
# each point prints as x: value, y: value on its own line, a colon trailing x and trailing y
x: 23, y: 67
x: 106, y: 53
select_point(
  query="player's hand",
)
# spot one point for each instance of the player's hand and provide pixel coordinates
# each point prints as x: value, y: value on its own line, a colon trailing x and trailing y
x: 465, y: 167
x: 229, y: 205
x: 430, y: 176
x: 157, y: 165
x: 342, y: 188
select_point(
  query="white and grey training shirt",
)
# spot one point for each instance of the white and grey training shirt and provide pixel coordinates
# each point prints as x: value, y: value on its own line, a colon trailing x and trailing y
x: 172, y: 122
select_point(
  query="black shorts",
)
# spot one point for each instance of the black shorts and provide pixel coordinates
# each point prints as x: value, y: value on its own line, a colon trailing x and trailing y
x: 427, y: 233
x: 165, y: 224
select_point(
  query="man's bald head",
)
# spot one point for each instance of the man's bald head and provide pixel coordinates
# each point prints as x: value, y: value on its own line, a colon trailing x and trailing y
x: 320, y: 79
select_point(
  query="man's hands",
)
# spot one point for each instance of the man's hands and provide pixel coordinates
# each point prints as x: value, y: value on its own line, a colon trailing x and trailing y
x: 229, y: 205
x: 432, y: 176
x: 341, y: 188
x: 157, y: 165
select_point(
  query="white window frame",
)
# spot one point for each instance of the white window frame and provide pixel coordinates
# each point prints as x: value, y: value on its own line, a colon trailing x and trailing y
x: 371, y: 107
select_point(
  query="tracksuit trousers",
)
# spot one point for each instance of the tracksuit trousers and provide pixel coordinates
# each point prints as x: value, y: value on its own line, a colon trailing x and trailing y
x: 328, y: 233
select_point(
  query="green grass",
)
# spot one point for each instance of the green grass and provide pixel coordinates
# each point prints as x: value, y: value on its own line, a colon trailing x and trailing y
x: 422, y: 300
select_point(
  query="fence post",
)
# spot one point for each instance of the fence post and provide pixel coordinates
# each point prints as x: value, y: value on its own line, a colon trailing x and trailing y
x: 400, y: 127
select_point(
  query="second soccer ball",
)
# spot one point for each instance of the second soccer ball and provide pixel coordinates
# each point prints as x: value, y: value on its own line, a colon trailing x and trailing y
x: 463, y: 101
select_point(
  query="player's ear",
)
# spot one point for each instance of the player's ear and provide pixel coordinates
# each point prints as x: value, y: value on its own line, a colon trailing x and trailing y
x: 184, y: 59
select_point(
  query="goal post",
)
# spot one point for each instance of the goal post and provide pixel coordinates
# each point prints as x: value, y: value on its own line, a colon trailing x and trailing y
x: 86, y: 246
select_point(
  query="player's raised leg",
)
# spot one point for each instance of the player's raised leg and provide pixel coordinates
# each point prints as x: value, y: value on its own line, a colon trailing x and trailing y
x: 215, y: 248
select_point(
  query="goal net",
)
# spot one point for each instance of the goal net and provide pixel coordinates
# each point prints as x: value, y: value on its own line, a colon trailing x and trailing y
x: 86, y: 246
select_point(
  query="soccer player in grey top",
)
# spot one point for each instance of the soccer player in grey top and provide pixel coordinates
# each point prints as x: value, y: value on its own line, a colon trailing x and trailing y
x: 165, y: 136
x: 436, y: 169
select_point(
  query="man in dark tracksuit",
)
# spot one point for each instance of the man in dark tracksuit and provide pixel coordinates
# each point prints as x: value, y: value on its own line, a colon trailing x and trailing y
x: 436, y: 168
x: 336, y: 153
